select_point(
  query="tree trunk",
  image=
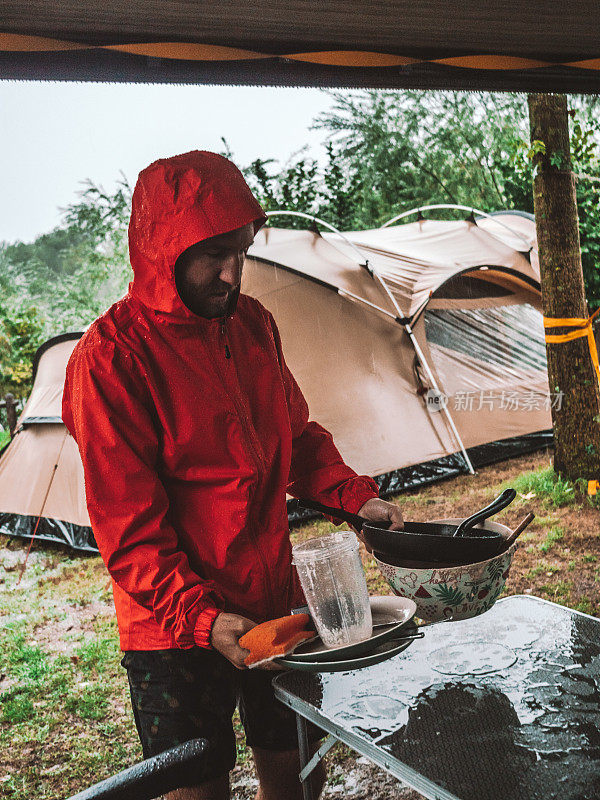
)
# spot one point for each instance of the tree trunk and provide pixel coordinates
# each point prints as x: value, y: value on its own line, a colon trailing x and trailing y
x: 571, y: 374
x: 11, y: 413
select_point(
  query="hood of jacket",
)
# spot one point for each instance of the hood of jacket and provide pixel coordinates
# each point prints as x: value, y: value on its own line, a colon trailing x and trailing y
x: 176, y: 203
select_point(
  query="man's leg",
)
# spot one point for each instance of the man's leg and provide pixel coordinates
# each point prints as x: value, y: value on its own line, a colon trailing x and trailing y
x: 272, y: 734
x: 217, y: 789
x: 178, y: 695
x: 278, y: 773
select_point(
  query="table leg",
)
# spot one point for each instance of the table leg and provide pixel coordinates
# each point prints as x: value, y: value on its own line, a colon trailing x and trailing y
x: 304, y: 752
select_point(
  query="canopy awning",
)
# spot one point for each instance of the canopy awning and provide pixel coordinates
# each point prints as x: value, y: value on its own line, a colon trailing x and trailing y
x: 538, y: 45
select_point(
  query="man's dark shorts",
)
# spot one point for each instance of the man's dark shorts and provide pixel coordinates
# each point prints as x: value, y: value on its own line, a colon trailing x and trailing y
x: 179, y: 695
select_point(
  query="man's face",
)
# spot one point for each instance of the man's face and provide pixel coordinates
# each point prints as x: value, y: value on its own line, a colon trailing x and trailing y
x: 208, y: 274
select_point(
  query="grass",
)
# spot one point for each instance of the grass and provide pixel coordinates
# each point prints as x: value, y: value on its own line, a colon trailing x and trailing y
x: 552, y: 490
x: 65, y: 717
x: 586, y: 606
x: 92, y: 703
x: 542, y: 569
x: 545, y: 485
x: 93, y: 656
x: 553, y: 536
x: 17, y: 709
x: 4, y: 438
x: 64, y: 720
x: 559, y: 592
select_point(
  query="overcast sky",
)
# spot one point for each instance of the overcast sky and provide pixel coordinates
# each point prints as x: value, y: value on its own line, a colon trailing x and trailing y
x: 54, y: 135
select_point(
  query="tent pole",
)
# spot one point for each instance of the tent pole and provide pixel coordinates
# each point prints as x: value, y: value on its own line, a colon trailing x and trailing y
x: 423, y: 360
x: 326, y: 224
x: 352, y: 296
x: 455, y: 206
x: 400, y: 316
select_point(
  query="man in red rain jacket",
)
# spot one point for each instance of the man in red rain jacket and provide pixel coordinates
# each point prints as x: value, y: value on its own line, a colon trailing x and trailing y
x: 191, y: 430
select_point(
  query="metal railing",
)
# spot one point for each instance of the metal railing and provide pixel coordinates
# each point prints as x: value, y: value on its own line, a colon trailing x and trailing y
x: 174, y: 769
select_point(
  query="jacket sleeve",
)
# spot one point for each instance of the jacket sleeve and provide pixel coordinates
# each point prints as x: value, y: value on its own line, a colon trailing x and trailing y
x: 106, y: 410
x: 318, y: 471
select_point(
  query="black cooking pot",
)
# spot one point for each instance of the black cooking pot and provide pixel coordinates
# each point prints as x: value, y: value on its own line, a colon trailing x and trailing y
x: 428, y: 541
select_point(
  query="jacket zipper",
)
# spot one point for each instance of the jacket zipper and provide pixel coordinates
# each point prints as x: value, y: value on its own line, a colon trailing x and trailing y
x: 259, y: 463
x: 241, y: 411
x: 224, y: 334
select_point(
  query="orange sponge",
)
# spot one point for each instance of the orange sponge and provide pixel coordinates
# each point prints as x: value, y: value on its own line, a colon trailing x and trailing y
x: 275, y: 638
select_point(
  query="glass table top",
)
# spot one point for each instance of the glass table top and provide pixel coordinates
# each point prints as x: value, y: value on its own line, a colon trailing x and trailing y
x: 505, y: 705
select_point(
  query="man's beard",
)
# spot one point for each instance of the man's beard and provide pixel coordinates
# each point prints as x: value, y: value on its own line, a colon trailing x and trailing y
x: 232, y: 302
x: 226, y: 310
x: 203, y: 307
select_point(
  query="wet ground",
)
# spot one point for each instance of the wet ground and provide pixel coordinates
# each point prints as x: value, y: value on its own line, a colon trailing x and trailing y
x: 71, y: 722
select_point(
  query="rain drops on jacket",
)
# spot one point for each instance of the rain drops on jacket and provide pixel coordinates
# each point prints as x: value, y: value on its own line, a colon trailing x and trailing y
x: 188, y: 454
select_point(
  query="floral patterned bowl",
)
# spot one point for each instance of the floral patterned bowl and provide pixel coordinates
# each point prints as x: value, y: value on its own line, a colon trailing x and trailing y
x: 452, y: 592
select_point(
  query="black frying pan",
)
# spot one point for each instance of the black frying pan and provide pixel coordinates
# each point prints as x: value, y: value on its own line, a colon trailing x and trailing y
x: 428, y: 541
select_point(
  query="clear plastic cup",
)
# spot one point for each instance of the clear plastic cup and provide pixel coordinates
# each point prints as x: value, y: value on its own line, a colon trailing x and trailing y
x: 335, y: 587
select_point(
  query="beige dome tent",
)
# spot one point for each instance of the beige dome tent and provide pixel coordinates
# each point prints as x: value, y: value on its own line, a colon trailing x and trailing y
x: 381, y: 328
x: 419, y: 345
x: 41, y: 475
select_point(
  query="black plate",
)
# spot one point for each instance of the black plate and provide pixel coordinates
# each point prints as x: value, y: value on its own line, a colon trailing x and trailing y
x: 381, y: 653
x: 382, y: 609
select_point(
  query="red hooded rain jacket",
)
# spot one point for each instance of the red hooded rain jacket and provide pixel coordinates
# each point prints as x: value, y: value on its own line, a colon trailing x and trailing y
x: 188, y: 452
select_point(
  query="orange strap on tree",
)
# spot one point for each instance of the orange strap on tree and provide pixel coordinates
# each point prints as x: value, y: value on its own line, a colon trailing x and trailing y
x: 583, y: 327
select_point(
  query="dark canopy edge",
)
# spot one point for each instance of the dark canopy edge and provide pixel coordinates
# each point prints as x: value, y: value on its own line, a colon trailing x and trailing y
x: 115, y: 67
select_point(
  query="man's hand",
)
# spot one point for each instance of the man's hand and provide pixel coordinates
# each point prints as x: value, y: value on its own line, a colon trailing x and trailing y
x: 226, y: 632
x: 376, y: 510
x: 225, y: 635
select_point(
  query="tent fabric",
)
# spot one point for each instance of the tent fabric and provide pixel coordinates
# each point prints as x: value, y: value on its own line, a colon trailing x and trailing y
x: 514, y: 228
x: 41, y: 475
x: 45, y: 401
x: 356, y: 366
x: 414, y: 258
x: 533, y: 46
x: 325, y: 258
x: 478, y: 324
